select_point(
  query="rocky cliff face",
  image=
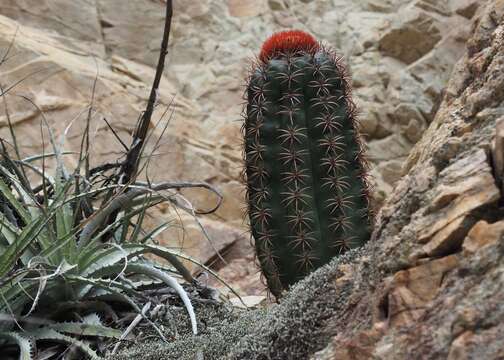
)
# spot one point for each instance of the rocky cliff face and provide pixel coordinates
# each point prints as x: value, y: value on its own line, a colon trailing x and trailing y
x: 438, y: 245
x: 400, y: 53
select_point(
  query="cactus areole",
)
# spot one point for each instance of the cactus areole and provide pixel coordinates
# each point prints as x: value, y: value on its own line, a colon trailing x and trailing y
x: 307, y: 192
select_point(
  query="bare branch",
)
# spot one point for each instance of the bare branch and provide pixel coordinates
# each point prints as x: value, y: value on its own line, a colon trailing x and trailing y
x: 128, y: 171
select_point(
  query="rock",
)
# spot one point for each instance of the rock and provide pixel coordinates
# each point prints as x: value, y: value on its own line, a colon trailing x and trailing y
x: 240, y: 8
x: 276, y: 5
x: 359, y: 348
x: 412, y: 36
x: 404, y: 113
x: 361, y: 30
x: 131, y: 30
x: 75, y: 24
x: 449, y: 238
x: 458, y: 196
x: 434, y: 69
x: 470, y: 345
x: 391, y: 171
x: 381, y: 189
x: 394, y: 146
x: 414, y: 130
x: 240, y: 270
x: 412, y: 289
x: 386, y: 6
x: 368, y: 122
x: 465, y: 8
x: 244, y: 277
x: 482, y: 234
x: 457, y: 349
x: 190, y: 239
x: 434, y: 6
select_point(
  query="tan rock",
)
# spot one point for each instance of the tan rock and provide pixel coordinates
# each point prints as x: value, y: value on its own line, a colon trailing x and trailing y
x: 243, y: 275
x: 458, y: 347
x: 405, y: 112
x: 481, y: 235
x: 276, y: 5
x: 410, y: 290
x: 363, y: 29
x: 193, y: 9
x: 359, y: 347
x: 132, y: 29
x: 414, y: 130
x: 368, y: 120
x: 448, y: 239
x: 412, y: 36
x: 465, y: 8
x: 436, y: 6
x: 386, y: 6
x: 484, y: 344
x: 67, y: 21
x: 240, y: 8
x: 188, y: 237
x: 391, y: 171
x: 347, y: 275
x: 473, y: 186
x: 394, y: 146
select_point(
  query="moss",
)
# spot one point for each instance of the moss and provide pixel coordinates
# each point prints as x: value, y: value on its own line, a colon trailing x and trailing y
x: 296, y: 328
x: 220, y: 327
x: 293, y: 329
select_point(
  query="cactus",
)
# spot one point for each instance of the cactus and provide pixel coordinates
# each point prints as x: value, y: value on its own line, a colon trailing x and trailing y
x: 307, y: 190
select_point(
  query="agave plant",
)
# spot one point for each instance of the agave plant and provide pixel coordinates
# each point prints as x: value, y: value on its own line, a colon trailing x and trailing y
x: 64, y: 264
x: 73, y: 249
x: 74, y: 252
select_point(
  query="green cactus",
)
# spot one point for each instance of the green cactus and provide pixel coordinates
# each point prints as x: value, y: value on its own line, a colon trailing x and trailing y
x: 307, y: 191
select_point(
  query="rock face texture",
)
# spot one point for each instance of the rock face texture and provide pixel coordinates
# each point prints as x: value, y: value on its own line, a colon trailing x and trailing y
x: 400, y: 54
x: 438, y: 246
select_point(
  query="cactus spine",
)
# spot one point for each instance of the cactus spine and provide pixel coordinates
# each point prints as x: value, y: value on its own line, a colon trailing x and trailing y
x: 307, y: 193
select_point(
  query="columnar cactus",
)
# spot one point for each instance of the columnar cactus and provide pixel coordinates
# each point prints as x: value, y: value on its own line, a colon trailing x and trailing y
x: 307, y: 192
